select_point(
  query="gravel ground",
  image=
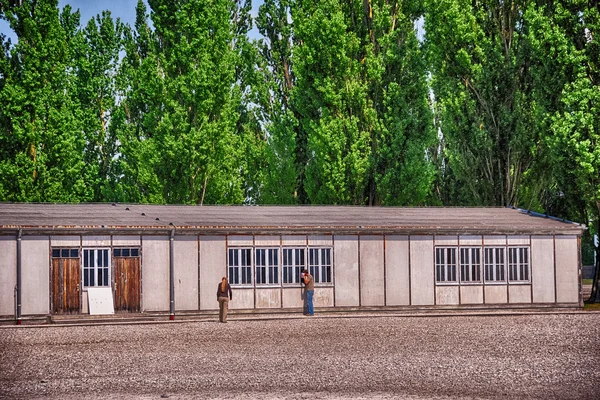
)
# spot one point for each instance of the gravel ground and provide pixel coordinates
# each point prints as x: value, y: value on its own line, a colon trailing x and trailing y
x: 515, y: 357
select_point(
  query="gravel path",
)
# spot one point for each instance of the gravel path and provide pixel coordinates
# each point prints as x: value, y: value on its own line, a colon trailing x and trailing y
x: 527, y: 356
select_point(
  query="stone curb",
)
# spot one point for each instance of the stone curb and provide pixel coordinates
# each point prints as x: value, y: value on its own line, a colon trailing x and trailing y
x: 143, y: 320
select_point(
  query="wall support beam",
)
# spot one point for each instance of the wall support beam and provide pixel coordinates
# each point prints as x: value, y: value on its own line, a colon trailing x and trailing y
x: 172, y: 275
x: 19, y: 257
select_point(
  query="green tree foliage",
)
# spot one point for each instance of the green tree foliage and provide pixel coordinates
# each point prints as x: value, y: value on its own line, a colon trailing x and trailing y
x: 41, y: 140
x: 285, y: 153
x: 483, y: 89
x: 179, y: 120
x: 95, y: 64
x: 362, y: 101
x: 565, y: 37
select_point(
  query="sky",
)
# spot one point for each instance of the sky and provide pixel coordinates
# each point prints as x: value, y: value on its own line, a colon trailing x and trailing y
x: 124, y: 9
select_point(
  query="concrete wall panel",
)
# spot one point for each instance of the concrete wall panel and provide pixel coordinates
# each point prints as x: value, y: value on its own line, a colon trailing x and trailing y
x: 243, y: 299
x: 421, y: 270
x: 126, y: 241
x: 512, y: 239
x: 213, y: 267
x: 268, y: 298
x: 567, y: 273
x: 8, y: 274
x: 320, y: 240
x: 35, y: 275
x: 495, y: 294
x: 542, y: 269
x: 371, y: 271
x: 494, y: 240
x: 471, y: 294
x: 239, y: 240
x: 299, y: 240
x: 346, y: 271
x: 446, y: 240
x: 446, y: 295
x: 470, y: 240
x: 267, y: 240
x: 519, y: 294
x: 186, y: 272
x: 155, y: 273
x: 65, y: 241
x: 396, y: 273
x: 323, y: 297
x: 292, y: 297
x: 95, y: 241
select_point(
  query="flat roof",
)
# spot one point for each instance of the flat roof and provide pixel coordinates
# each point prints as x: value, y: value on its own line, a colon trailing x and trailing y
x: 34, y: 218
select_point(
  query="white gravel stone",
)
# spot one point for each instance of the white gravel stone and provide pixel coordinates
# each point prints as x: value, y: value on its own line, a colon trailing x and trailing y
x: 522, y: 356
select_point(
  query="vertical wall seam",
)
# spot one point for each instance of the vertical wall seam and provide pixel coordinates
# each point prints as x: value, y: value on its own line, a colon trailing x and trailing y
x: 531, y: 266
x: 19, y: 273
x: 359, y: 267
x: 384, y: 272
x: 434, y: 271
x: 410, y: 274
x: 554, y: 257
x: 280, y: 273
x: 333, y: 266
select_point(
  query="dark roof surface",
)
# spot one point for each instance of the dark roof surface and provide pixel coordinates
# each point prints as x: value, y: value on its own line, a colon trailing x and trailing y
x: 107, y: 218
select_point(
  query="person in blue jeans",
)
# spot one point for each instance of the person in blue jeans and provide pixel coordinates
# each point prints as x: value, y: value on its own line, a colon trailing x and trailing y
x: 309, y: 285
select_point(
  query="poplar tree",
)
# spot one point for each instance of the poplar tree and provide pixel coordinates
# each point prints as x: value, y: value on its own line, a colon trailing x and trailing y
x: 95, y: 63
x: 41, y: 139
x: 285, y: 151
x: 362, y: 99
x: 482, y: 82
x: 565, y: 37
x: 181, y: 142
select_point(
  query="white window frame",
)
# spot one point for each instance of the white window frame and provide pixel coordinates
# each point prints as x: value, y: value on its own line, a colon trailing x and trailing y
x: 293, y: 262
x: 237, y: 272
x: 492, y: 266
x: 519, y: 270
x: 321, y: 266
x: 470, y: 266
x: 266, y: 266
x: 91, y: 269
x: 443, y: 267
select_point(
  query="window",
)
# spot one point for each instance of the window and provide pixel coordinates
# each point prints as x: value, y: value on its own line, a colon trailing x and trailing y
x: 494, y: 264
x: 518, y: 264
x: 293, y: 265
x: 470, y: 264
x: 65, y: 253
x: 319, y: 264
x: 135, y: 252
x: 267, y: 266
x: 96, y: 271
x: 445, y: 264
x: 240, y: 266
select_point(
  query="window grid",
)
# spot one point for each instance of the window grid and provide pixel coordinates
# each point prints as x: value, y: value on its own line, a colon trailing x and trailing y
x: 518, y: 264
x: 126, y: 252
x: 319, y: 264
x: 240, y: 266
x: 275, y: 266
x: 294, y: 262
x: 65, y: 253
x: 267, y: 266
x: 494, y: 264
x: 500, y: 264
x: 470, y: 264
x: 445, y: 265
x: 96, y: 269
